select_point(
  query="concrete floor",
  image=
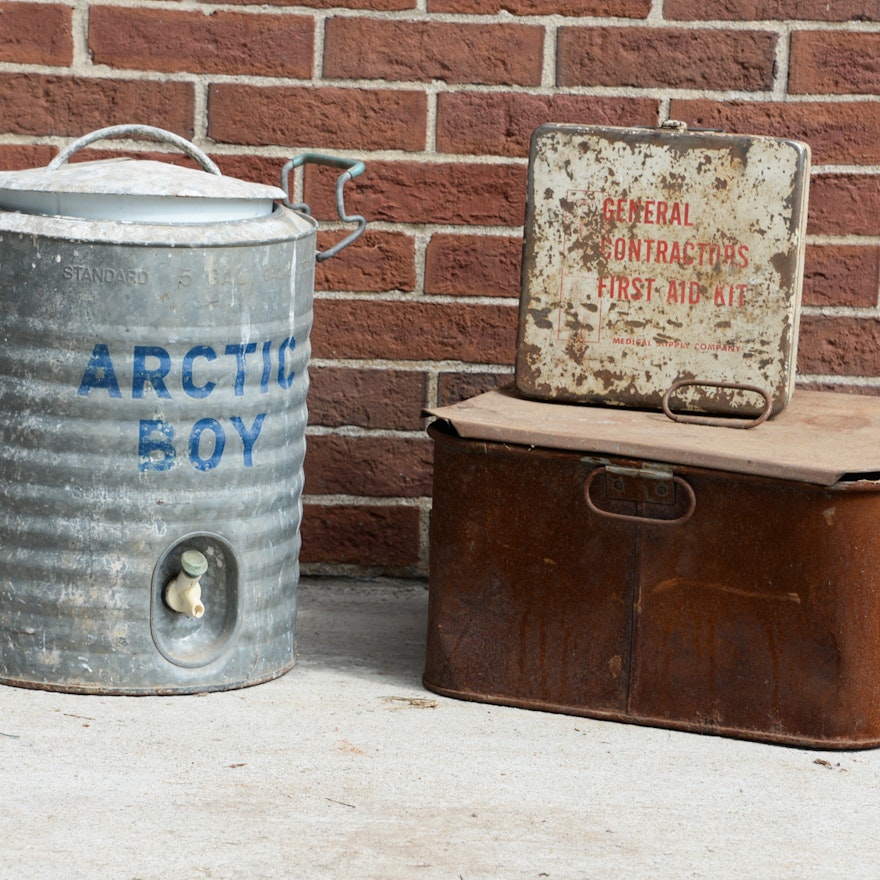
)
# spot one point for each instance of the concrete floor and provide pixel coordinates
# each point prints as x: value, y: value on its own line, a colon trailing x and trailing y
x: 346, y: 768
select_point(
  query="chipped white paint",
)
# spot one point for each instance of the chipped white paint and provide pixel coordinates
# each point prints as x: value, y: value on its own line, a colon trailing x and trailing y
x: 656, y: 255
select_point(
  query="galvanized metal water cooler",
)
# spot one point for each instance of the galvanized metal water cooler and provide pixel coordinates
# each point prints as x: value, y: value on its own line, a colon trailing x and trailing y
x: 153, y: 378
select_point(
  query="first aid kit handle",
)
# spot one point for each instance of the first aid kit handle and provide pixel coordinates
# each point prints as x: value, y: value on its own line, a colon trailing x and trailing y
x: 350, y: 168
x: 717, y: 421
x: 136, y: 131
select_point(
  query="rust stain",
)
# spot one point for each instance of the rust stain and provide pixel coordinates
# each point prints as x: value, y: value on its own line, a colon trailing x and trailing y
x: 680, y: 583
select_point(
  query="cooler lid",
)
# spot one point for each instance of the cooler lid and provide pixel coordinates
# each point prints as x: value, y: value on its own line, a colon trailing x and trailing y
x: 135, y: 190
x: 819, y: 438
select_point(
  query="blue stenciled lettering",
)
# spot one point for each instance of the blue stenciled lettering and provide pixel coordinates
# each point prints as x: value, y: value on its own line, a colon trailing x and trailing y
x: 248, y: 436
x: 206, y: 464
x: 241, y: 352
x: 154, y: 371
x: 155, y: 376
x: 155, y: 449
x: 189, y: 386
x: 99, y: 373
x: 267, y: 367
x: 154, y: 368
x: 285, y: 380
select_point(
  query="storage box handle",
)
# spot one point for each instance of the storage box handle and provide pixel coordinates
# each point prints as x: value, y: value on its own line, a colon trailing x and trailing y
x: 636, y: 518
x: 717, y: 421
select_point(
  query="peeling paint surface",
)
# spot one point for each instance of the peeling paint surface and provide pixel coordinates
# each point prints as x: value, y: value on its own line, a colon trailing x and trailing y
x: 657, y: 255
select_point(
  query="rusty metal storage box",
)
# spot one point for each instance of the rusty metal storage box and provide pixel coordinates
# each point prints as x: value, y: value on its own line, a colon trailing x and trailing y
x: 671, y: 590
x: 657, y: 256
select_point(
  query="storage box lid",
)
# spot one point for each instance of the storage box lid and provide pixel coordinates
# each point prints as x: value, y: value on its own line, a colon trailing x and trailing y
x: 821, y: 437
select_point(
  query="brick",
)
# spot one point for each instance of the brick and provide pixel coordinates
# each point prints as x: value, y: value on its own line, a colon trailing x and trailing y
x: 453, y: 387
x: 838, y: 132
x: 326, y: 118
x: 37, y: 104
x: 771, y: 10
x: 839, y: 346
x: 246, y: 166
x: 222, y: 42
x: 824, y: 62
x: 36, y: 33
x: 478, y: 194
x: 666, y: 58
x: 366, y: 398
x: 578, y: 8
x: 368, y: 466
x: 371, y: 5
x: 377, y: 262
x: 841, y: 275
x: 92, y: 154
x: 16, y: 157
x: 473, y: 265
x: 501, y: 123
x: 488, y: 54
x: 365, y: 535
x: 844, y: 204
x: 841, y: 388
x: 482, y: 334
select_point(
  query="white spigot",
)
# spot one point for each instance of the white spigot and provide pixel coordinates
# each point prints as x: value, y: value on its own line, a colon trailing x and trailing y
x: 184, y: 593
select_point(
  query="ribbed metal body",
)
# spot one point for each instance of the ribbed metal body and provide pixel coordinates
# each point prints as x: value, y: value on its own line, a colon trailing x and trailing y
x: 152, y: 400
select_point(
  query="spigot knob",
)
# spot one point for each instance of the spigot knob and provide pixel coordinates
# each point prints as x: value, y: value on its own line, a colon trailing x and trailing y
x: 194, y: 563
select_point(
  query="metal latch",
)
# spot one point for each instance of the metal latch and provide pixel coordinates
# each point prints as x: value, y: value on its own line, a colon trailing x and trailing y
x: 643, y: 488
x: 651, y: 484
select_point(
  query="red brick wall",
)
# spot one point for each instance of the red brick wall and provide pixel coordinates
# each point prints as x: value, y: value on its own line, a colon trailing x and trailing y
x: 439, y: 97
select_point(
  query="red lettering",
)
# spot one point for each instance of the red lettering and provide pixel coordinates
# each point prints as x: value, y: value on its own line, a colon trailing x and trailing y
x: 642, y: 287
x: 635, y: 249
x: 731, y: 295
x: 653, y: 212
